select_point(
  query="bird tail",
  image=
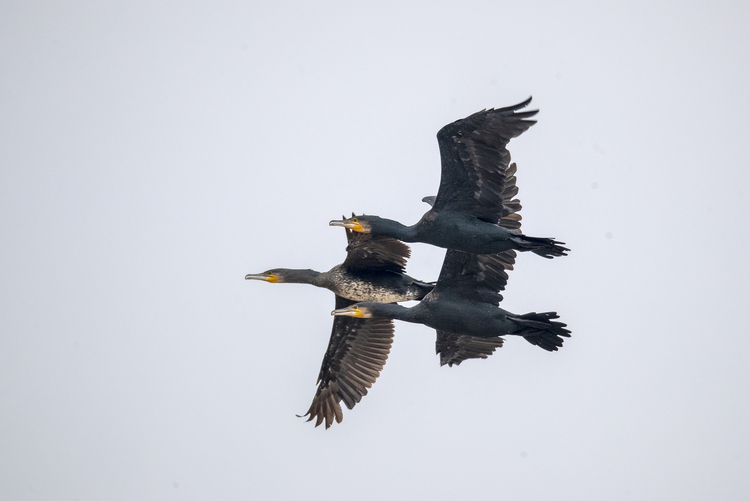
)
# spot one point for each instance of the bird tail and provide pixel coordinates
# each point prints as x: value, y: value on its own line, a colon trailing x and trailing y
x: 545, y: 247
x: 540, y: 330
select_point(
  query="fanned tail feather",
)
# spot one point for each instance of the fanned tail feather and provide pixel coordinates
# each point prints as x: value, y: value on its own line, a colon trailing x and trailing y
x: 541, y: 330
x: 545, y: 247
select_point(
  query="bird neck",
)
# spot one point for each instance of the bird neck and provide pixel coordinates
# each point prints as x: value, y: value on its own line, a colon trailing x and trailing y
x: 394, y: 229
x: 393, y: 310
x: 302, y: 277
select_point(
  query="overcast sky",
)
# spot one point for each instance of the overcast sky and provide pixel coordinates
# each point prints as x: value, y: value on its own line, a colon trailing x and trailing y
x: 153, y: 153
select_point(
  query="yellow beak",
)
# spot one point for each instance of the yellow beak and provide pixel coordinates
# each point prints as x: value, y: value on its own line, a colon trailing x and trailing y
x: 346, y: 223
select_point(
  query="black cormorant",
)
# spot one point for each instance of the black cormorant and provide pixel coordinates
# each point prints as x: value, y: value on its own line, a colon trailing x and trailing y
x: 465, y: 214
x: 465, y: 302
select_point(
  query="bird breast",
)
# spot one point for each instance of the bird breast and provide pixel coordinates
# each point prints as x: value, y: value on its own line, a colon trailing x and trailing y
x: 357, y: 289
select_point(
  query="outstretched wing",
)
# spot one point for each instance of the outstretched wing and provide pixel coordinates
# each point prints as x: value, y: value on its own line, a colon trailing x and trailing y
x: 366, y: 251
x: 477, y: 277
x: 357, y: 352
x: 455, y: 348
x: 475, y: 161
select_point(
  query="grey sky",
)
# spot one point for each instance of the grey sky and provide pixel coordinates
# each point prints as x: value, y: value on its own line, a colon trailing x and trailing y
x: 153, y: 153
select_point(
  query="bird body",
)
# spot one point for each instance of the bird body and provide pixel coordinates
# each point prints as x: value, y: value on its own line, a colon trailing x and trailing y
x: 465, y: 303
x: 460, y: 231
x: 377, y: 286
x: 449, y: 313
x: 455, y: 315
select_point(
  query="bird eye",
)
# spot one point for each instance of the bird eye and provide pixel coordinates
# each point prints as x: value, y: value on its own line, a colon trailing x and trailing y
x: 354, y: 220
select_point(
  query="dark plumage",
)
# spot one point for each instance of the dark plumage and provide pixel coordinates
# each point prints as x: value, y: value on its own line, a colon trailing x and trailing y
x: 465, y: 302
x: 357, y: 352
x: 465, y: 214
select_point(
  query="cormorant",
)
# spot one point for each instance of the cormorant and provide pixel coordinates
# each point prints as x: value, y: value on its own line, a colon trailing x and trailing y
x: 465, y: 302
x: 372, y: 271
x: 358, y: 348
x: 465, y: 214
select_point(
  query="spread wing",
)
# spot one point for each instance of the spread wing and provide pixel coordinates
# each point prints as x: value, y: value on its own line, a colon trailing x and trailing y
x: 475, y: 161
x: 481, y: 276
x: 477, y: 277
x: 357, y: 352
x: 455, y: 348
x: 375, y: 252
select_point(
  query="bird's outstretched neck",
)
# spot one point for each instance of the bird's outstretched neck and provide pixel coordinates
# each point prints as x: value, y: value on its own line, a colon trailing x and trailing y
x: 394, y: 229
x: 289, y: 276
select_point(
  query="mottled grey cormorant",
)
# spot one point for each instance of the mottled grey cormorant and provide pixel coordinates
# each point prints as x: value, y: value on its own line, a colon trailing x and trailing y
x: 372, y: 271
x: 358, y: 349
x: 469, y: 203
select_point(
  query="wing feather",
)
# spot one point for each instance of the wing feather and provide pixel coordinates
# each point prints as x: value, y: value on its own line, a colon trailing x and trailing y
x: 475, y: 162
x: 357, y: 352
x: 366, y: 251
x: 481, y: 276
x: 477, y: 277
x: 455, y: 348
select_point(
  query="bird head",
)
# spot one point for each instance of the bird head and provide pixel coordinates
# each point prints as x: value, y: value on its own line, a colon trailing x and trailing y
x: 355, y: 310
x: 356, y: 223
x: 273, y: 276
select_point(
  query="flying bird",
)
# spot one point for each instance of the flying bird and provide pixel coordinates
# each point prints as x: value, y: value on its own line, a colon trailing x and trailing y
x: 358, y: 349
x: 469, y: 203
x: 465, y: 302
x: 372, y: 271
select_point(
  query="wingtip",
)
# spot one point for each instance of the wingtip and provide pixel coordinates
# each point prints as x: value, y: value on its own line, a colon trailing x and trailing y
x: 524, y: 114
x: 520, y: 105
